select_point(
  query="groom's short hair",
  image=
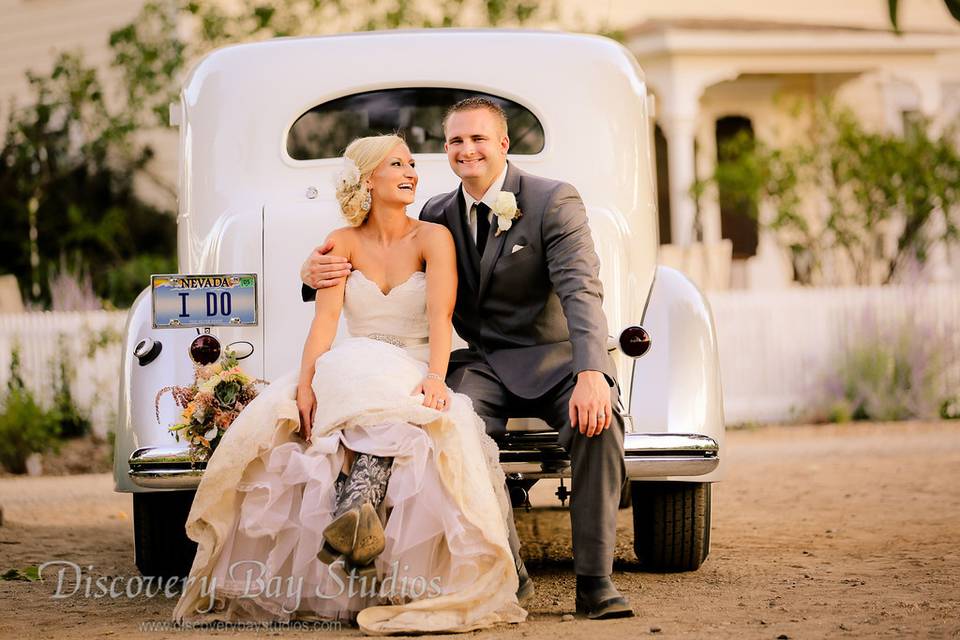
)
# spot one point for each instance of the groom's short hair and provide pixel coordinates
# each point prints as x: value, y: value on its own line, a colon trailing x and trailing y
x: 477, y: 102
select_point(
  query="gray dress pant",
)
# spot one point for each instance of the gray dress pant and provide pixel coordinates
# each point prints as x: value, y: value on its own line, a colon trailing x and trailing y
x: 597, y: 466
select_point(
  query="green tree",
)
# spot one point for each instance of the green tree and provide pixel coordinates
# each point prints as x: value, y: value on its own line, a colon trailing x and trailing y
x: 168, y: 36
x: 882, y: 201
x: 66, y: 184
x: 68, y: 160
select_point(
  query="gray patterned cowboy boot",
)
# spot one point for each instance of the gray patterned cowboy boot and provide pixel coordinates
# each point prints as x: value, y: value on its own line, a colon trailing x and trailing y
x: 356, y: 530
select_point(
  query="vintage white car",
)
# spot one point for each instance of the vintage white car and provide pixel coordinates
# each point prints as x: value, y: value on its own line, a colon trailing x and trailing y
x: 262, y: 127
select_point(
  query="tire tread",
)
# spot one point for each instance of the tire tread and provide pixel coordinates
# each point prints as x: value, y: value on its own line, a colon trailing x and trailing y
x: 671, y: 523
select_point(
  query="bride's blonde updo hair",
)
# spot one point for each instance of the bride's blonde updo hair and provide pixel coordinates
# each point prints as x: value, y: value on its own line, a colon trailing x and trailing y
x: 362, y: 156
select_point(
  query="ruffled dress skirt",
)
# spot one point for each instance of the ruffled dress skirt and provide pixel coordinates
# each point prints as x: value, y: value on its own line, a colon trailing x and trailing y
x: 266, y: 497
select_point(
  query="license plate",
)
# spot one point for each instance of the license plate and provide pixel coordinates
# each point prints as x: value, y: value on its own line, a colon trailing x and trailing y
x: 223, y: 300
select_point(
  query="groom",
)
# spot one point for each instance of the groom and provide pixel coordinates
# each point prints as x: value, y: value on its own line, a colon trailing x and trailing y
x: 529, y: 307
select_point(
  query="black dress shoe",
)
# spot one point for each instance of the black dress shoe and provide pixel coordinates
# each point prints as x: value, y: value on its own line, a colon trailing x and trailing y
x: 525, y: 589
x: 598, y: 599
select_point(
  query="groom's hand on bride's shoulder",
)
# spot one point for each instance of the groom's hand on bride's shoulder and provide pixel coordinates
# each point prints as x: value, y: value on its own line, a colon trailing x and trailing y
x: 321, y: 270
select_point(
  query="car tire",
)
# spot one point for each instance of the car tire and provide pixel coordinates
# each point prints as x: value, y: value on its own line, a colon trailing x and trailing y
x: 671, y: 524
x: 161, y: 546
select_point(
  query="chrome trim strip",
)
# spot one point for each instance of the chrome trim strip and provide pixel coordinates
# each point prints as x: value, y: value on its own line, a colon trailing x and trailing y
x: 161, y: 455
x: 658, y: 466
x: 668, y: 442
x: 633, y: 443
x: 167, y: 478
x: 637, y: 467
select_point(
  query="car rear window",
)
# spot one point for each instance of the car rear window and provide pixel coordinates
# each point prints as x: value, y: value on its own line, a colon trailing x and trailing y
x: 415, y: 113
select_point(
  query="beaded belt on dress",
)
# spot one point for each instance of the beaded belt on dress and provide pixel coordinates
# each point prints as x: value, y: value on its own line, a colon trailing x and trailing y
x: 397, y: 341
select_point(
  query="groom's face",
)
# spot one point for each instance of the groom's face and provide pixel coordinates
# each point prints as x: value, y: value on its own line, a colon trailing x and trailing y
x: 476, y: 145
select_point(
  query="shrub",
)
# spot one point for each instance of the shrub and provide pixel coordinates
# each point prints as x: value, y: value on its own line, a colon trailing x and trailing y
x: 25, y: 427
x: 950, y: 408
x: 889, y: 375
x: 125, y: 282
x: 71, y: 289
x: 72, y: 423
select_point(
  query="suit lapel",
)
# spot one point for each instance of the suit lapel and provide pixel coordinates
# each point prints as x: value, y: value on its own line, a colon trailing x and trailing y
x: 465, y: 245
x: 495, y: 243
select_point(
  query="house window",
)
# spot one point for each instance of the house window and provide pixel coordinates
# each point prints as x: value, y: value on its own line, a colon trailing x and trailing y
x: 415, y: 113
x: 911, y: 121
x: 738, y: 214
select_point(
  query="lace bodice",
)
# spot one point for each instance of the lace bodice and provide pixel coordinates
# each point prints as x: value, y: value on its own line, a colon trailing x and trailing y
x: 401, y: 312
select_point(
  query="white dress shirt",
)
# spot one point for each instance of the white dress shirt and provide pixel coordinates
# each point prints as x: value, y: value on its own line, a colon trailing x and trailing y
x: 489, y: 199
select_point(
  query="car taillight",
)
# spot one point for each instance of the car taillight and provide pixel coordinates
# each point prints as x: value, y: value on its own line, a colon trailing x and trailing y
x: 205, y: 349
x: 634, y: 341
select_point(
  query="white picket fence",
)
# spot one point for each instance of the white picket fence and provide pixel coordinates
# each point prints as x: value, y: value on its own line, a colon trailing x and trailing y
x: 776, y: 347
x: 91, y: 341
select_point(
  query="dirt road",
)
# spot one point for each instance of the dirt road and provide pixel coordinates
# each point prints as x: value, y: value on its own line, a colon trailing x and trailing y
x: 848, y: 531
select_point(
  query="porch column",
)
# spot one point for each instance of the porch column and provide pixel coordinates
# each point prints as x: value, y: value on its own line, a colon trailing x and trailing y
x: 679, y: 128
x: 929, y: 86
x: 679, y: 85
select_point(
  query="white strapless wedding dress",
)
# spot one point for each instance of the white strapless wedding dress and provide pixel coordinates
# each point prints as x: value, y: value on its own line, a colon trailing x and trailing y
x: 266, y: 495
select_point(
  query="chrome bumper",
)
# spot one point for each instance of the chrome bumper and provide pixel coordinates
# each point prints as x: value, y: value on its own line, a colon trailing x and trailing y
x: 164, y: 468
x: 524, y: 455
x: 645, y: 455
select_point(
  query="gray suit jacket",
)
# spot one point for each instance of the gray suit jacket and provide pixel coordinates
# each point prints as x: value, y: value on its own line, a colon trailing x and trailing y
x: 534, y: 315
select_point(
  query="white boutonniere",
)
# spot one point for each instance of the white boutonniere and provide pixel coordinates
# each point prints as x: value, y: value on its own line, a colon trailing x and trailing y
x: 505, y: 208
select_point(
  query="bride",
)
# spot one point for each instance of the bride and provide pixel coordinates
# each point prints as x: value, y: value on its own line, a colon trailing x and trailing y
x: 289, y: 516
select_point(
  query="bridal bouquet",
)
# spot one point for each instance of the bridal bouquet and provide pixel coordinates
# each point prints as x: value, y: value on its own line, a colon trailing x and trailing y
x: 218, y: 394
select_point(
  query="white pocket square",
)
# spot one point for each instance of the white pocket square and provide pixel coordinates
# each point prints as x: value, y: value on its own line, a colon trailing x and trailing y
x: 517, y: 247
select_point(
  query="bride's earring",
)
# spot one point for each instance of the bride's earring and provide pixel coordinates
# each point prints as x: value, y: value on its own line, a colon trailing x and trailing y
x: 366, y: 202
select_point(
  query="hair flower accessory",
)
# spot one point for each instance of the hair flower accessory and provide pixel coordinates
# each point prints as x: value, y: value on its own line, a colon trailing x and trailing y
x: 349, y: 176
x: 505, y: 208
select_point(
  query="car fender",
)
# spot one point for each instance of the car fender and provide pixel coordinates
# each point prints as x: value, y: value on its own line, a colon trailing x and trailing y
x: 676, y: 383
x: 137, y: 422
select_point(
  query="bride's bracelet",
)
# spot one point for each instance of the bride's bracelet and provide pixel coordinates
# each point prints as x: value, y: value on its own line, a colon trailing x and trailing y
x: 434, y: 376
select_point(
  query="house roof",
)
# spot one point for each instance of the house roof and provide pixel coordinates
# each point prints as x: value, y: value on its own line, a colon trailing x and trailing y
x: 738, y: 36
x: 661, y: 25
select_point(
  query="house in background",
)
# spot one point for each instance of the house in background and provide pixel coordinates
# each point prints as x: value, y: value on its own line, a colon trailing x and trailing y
x: 33, y: 31
x: 715, y: 69
x: 715, y: 78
